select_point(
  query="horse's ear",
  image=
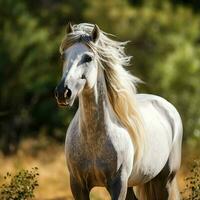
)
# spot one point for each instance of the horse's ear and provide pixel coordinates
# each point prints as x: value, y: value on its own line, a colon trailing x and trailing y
x: 95, y: 33
x: 69, y: 28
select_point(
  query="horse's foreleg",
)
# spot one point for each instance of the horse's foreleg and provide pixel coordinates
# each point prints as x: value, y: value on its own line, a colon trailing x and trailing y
x: 130, y: 194
x: 79, y: 192
x: 117, y: 187
x: 118, y: 190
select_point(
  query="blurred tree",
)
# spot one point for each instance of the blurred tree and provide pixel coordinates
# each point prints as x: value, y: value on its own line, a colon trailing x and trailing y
x: 29, y: 72
x: 165, y: 44
x: 165, y: 48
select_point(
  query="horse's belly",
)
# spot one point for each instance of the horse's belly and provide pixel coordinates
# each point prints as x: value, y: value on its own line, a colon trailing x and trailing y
x: 150, y: 166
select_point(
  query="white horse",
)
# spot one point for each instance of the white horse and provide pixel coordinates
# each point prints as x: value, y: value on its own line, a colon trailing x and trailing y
x: 118, y: 139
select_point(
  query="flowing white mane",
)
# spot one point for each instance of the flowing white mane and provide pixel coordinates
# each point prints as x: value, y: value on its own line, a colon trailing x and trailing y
x: 120, y: 83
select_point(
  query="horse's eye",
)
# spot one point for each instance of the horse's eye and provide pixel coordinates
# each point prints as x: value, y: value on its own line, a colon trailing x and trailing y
x: 87, y: 59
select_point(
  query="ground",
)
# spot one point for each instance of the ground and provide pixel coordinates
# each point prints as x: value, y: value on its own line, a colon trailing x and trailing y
x: 49, y: 157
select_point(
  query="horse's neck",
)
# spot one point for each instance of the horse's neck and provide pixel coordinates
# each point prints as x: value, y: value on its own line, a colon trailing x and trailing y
x: 94, y: 109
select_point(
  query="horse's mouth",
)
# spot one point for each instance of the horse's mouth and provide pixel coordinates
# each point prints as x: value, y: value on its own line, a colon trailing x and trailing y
x: 62, y: 105
x: 66, y: 103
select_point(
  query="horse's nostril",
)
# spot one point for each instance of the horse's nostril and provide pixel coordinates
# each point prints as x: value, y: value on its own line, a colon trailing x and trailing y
x: 69, y: 93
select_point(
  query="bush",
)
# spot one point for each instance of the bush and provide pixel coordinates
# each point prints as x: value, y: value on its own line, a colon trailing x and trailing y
x: 21, y: 186
x: 192, y: 189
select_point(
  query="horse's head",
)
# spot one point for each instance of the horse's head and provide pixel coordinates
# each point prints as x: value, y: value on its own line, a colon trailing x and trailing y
x: 79, y: 68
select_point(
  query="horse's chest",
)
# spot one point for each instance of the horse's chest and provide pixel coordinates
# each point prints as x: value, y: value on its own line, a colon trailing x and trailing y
x: 94, y: 163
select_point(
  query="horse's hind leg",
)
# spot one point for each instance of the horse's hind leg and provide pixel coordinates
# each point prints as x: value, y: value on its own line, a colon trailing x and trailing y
x: 130, y: 194
x: 162, y: 187
x: 152, y: 190
x: 173, y: 190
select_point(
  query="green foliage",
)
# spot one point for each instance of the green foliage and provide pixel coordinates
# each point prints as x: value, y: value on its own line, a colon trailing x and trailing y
x: 192, y: 189
x: 29, y: 70
x: 165, y: 44
x: 21, y: 186
x: 167, y: 54
x: 165, y: 47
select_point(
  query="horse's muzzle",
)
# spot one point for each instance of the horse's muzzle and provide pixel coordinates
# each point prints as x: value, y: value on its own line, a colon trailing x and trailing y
x: 62, y: 94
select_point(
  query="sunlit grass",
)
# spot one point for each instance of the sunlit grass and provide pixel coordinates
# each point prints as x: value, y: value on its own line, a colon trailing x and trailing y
x: 49, y: 157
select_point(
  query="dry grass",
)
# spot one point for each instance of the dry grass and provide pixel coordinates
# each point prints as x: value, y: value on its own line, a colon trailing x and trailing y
x: 49, y: 157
